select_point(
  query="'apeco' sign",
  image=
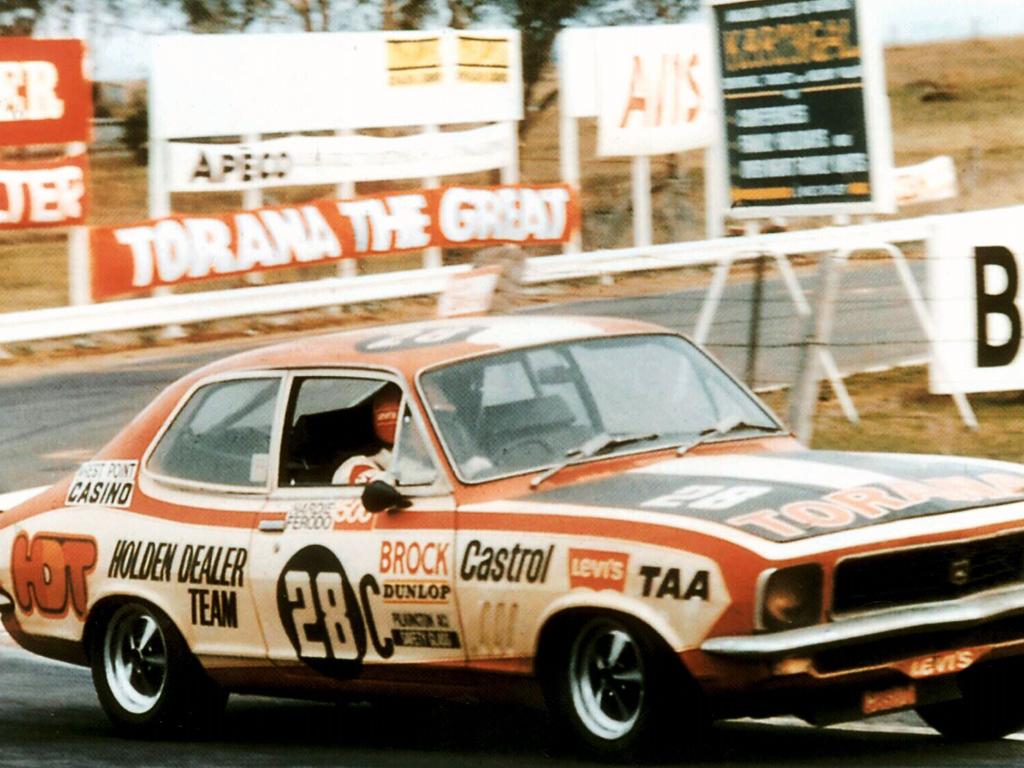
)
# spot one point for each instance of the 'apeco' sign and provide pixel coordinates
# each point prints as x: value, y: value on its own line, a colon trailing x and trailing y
x: 45, y: 97
x: 976, y: 291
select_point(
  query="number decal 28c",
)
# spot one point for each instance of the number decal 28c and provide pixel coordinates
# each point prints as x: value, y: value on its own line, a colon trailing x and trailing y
x: 327, y: 622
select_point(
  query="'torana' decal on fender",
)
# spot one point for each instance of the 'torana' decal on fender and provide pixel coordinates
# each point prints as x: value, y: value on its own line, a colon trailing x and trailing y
x: 800, y: 494
x: 843, y: 509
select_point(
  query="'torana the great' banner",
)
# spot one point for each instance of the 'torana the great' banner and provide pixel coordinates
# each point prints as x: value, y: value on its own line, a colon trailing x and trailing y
x: 45, y: 97
x: 50, y: 193
x: 186, y: 249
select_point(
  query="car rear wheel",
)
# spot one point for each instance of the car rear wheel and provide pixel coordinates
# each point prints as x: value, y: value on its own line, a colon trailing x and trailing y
x: 145, y: 677
x: 991, y: 706
x: 609, y: 687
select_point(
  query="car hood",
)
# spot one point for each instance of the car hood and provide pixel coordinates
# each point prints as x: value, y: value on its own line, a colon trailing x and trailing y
x: 797, y: 495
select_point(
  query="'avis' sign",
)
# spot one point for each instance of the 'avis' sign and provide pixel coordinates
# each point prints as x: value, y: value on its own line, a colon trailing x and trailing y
x: 976, y: 293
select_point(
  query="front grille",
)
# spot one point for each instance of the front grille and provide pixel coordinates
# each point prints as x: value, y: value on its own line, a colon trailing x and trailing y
x: 927, y: 574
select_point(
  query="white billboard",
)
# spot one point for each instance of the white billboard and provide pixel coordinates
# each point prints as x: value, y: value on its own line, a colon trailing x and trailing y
x: 926, y: 182
x: 311, y: 160
x: 231, y: 85
x: 650, y: 87
x: 976, y: 295
x: 654, y: 89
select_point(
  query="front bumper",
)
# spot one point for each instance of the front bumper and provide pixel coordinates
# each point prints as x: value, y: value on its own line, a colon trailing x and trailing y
x: 932, y: 620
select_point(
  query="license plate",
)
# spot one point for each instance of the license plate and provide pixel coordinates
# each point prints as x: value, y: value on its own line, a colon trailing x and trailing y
x: 900, y: 697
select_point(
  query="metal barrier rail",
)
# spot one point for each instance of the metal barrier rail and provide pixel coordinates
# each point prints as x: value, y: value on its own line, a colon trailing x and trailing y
x: 184, y: 308
x: 710, y: 252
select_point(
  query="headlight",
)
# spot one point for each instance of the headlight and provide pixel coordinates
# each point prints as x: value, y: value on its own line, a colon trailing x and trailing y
x: 789, y: 597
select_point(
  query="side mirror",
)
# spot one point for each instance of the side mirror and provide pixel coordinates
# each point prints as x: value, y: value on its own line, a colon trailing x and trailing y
x: 381, y: 496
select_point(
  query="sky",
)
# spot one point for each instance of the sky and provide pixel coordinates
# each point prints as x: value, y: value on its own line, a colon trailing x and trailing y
x: 906, y: 21
x: 121, y: 53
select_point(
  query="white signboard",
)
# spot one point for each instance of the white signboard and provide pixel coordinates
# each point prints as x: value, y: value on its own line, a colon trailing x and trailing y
x: 926, y: 182
x: 231, y: 85
x: 469, y: 293
x: 310, y: 160
x: 654, y: 89
x: 976, y: 291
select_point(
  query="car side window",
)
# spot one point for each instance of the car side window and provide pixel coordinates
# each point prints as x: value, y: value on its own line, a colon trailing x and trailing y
x: 413, y: 463
x: 222, y: 435
x: 344, y: 431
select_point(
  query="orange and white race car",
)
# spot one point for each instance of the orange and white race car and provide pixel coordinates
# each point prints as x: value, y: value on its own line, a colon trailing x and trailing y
x: 583, y: 511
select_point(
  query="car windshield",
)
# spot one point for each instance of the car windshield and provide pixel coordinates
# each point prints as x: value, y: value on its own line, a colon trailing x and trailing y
x: 529, y: 409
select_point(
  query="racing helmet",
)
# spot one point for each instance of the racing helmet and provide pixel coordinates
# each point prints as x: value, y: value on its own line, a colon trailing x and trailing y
x: 385, y: 413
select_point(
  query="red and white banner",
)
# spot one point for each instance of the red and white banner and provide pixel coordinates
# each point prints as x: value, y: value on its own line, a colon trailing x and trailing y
x: 45, y: 97
x: 43, y: 194
x: 186, y: 249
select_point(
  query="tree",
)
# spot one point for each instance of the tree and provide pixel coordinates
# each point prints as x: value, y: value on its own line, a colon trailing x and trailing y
x: 539, y: 22
x: 19, y: 17
x: 405, y: 14
x: 223, y: 15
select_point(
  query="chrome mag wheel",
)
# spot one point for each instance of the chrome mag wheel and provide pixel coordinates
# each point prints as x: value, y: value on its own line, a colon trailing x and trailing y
x: 135, y: 659
x: 607, y: 679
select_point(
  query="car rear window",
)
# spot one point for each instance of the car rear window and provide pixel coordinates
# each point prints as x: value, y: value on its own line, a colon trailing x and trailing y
x: 222, y: 435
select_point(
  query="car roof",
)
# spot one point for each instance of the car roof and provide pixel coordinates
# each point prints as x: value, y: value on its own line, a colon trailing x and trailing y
x: 409, y: 347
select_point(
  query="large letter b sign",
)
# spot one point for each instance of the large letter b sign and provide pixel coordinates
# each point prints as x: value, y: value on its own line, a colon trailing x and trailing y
x: 999, y: 328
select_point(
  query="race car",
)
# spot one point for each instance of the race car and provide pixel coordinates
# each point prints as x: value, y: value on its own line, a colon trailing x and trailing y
x: 581, y: 512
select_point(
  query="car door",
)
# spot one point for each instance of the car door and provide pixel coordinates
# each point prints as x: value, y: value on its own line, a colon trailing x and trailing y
x: 184, y: 545
x: 341, y: 590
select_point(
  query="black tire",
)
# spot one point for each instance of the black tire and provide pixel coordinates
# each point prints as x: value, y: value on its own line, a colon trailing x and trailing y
x: 147, y: 680
x: 991, y: 706
x: 610, y: 685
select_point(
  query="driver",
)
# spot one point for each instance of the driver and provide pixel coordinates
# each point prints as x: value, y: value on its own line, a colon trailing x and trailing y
x: 362, y: 469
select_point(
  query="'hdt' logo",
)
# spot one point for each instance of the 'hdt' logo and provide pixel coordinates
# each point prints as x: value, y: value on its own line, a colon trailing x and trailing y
x: 49, y: 573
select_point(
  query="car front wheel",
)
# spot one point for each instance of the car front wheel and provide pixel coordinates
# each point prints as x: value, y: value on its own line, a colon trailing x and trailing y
x: 145, y: 677
x: 611, y: 688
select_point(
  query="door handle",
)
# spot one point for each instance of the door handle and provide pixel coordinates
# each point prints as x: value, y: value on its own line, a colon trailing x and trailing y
x: 272, y: 526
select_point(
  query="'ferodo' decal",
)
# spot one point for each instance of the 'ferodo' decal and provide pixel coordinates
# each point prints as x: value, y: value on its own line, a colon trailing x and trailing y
x: 49, y: 573
x: 108, y: 483
x: 328, y: 623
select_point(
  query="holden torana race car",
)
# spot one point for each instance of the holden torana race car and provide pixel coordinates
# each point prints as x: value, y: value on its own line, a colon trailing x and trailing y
x: 585, y: 512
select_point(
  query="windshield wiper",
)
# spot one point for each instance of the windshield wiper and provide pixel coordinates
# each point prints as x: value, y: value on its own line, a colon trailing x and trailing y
x: 723, y: 429
x: 595, y: 446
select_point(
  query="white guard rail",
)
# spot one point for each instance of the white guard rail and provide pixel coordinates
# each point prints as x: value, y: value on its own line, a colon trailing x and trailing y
x: 215, y: 305
x: 858, y: 237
